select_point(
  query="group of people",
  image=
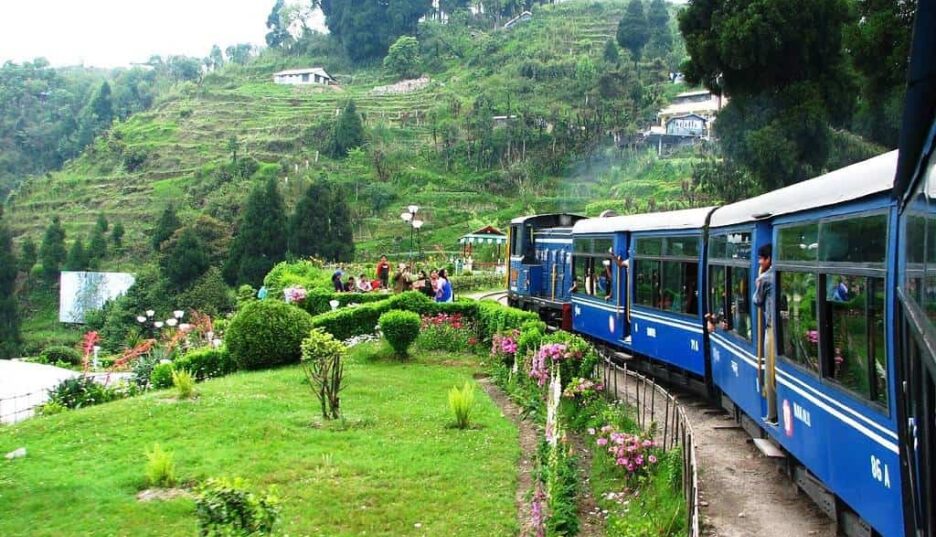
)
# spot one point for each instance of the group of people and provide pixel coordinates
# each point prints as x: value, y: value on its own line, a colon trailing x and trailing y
x: 436, y: 284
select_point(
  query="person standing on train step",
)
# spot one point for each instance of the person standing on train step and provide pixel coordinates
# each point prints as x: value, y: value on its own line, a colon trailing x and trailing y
x: 764, y: 299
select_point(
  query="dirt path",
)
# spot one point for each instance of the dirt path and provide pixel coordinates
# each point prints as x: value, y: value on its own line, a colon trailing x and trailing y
x: 743, y: 493
x: 527, y: 450
x: 591, y: 519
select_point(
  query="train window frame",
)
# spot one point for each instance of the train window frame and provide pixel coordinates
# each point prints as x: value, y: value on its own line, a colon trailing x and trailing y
x: 821, y: 270
x: 730, y: 264
x: 592, y: 259
x: 642, y: 256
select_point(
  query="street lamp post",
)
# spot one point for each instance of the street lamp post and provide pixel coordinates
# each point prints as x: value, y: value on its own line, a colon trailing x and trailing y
x: 409, y: 216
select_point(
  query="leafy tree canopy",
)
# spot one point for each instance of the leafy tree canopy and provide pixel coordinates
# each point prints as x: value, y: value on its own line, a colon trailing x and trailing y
x: 403, y: 58
x: 367, y: 28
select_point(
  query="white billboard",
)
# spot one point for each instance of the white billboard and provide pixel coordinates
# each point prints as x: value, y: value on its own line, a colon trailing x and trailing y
x: 82, y: 292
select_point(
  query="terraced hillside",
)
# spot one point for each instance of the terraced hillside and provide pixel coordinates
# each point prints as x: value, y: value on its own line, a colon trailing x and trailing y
x: 173, y: 152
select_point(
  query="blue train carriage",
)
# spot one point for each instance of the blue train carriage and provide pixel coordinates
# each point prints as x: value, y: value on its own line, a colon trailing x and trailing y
x: 832, y: 238
x: 540, y: 256
x: 915, y: 189
x: 652, y: 306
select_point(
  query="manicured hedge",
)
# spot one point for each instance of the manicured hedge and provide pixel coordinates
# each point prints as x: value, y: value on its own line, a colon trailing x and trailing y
x: 206, y: 363
x: 400, y: 328
x: 317, y: 300
x: 491, y: 316
x: 60, y: 353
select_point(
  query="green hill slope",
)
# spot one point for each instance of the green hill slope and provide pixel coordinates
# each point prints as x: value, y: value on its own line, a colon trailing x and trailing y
x: 424, y: 146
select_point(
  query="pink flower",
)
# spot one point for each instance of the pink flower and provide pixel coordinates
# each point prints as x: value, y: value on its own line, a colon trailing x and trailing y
x: 652, y: 459
x: 591, y: 431
x: 602, y: 441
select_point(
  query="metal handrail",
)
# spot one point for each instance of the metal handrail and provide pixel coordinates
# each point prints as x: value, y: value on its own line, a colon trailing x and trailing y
x: 674, y: 429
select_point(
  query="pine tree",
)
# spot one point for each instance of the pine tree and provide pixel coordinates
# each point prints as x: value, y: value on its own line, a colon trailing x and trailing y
x: 348, y: 132
x: 260, y: 242
x: 9, y: 315
x: 78, y: 258
x: 308, y: 228
x: 102, y: 223
x: 52, y: 251
x: 185, y: 261
x: 611, y: 54
x: 341, y: 232
x: 661, y: 38
x: 117, y: 233
x: 165, y: 227
x: 28, y: 255
x: 97, y: 247
x: 632, y: 31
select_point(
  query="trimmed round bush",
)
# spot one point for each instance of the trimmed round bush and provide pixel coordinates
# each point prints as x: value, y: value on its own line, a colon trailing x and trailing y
x: 400, y: 328
x: 267, y: 333
x: 60, y: 353
x: 161, y: 377
x: 206, y: 363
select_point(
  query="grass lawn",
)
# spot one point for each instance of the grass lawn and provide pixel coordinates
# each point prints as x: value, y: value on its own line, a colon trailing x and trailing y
x: 395, y: 464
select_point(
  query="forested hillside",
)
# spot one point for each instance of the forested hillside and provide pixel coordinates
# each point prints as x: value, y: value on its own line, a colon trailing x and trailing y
x: 504, y: 122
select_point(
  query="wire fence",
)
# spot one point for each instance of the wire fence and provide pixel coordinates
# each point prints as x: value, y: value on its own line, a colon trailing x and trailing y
x: 658, y: 412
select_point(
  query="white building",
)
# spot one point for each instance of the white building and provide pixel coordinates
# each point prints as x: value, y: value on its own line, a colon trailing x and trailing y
x: 311, y: 75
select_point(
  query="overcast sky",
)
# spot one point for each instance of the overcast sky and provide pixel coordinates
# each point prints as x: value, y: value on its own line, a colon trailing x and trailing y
x: 113, y: 33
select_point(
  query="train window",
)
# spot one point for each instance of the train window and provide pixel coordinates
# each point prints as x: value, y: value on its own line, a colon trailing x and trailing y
x: 603, y: 246
x: 915, y: 248
x: 718, y: 247
x: 738, y: 246
x: 929, y: 281
x: 583, y: 246
x: 678, y: 293
x: 798, y: 243
x: 855, y: 240
x: 740, y: 302
x: 798, y: 323
x: 647, y: 282
x: 856, y: 351
x: 718, y: 296
x: 652, y: 247
x: 682, y: 247
x: 583, y: 270
x: 515, y: 240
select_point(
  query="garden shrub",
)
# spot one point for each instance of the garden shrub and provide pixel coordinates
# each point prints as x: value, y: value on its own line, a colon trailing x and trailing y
x: 226, y: 507
x: 160, y: 468
x: 60, y: 353
x: 322, y: 363
x: 267, y: 333
x: 531, y: 334
x: 348, y: 322
x: 400, y: 328
x: 303, y: 273
x: 161, y: 376
x: 184, y: 383
x: 585, y: 353
x: 80, y: 391
x: 143, y: 369
x: 467, y: 282
x: 206, y: 363
x: 317, y: 301
x: 461, y: 401
x: 494, y: 318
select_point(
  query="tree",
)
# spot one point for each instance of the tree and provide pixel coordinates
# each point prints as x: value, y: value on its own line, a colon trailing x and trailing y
x: 403, y: 58
x: 340, y: 231
x: 165, y: 227
x: 279, y: 33
x: 213, y: 234
x: 366, y: 28
x: 348, y: 132
x: 239, y: 53
x: 308, y: 226
x: 184, y: 68
x: 260, y: 241
x: 117, y: 233
x: 78, y: 258
x: 215, y: 58
x: 9, y: 315
x: 661, y: 39
x: 102, y: 106
x: 786, y: 87
x: 184, y: 261
x: 232, y: 146
x: 52, y: 250
x: 102, y: 223
x: 611, y: 54
x: 97, y: 248
x: 632, y: 30
x: 878, y: 40
x: 28, y: 255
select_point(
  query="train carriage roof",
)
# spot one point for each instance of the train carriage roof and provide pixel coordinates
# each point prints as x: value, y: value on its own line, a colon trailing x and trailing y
x: 669, y: 220
x: 857, y: 181
x: 549, y: 219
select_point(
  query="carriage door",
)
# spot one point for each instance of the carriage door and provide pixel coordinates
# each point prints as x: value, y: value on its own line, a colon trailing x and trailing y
x: 622, y: 284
